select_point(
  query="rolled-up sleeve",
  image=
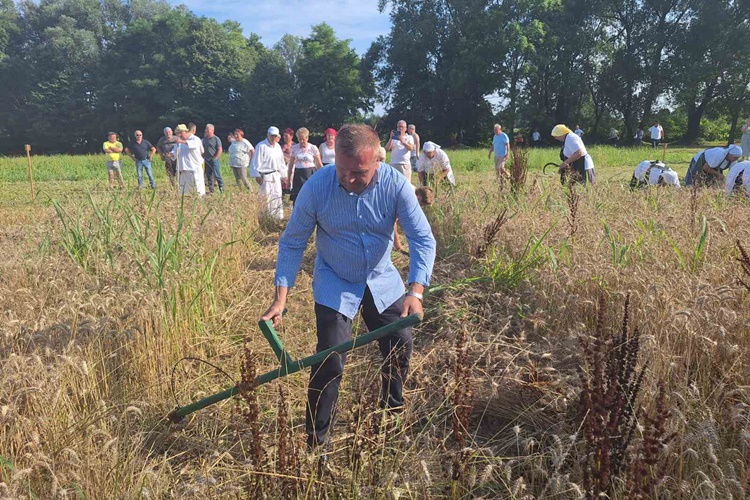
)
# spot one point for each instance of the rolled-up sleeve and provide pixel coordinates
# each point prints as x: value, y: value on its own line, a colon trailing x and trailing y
x: 293, y: 242
x: 418, y: 234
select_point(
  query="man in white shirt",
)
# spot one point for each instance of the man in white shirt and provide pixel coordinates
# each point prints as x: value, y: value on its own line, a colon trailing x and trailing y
x: 738, y: 178
x: 401, y: 145
x: 657, y: 134
x: 434, y: 164
x: 269, y: 169
x: 189, y: 158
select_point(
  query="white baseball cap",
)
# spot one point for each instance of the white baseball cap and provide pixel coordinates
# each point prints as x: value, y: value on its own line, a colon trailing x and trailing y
x: 735, y: 150
x: 429, y: 146
x: 273, y: 131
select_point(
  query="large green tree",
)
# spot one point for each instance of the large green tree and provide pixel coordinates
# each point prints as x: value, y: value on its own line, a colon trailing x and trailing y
x: 329, y: 79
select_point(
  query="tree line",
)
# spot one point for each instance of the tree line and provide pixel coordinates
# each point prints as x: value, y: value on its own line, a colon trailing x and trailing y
x: 71, y: 70
x: 600, y: 63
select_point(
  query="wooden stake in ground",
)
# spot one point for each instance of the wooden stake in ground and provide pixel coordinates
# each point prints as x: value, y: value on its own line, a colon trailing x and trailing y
x: 664, y: 153
x: 31, y: 171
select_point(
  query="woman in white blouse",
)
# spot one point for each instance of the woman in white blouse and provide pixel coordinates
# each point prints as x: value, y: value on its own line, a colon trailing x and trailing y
x: 576, y: 161
x: 240, y: 154
x: 328, y: 148
x: 303, y: 160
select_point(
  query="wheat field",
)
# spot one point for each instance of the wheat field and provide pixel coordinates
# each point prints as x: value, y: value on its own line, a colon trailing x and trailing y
x: 531, y: 378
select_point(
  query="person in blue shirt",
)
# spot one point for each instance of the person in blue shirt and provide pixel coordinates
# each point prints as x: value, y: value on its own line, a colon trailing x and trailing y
x: 354, y: 205
x: 500, y: 148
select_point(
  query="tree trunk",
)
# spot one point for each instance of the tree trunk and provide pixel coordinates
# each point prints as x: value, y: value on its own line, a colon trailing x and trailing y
x: 695, y: 113
x: 735, y: 121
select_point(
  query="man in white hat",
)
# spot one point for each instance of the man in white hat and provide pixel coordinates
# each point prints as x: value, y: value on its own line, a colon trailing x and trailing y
x: 188, y: 152
x: 653, y: 173
x: 738, y: 178
x: 707, y: 166
x: 434, y: 164
x: 269, y: 169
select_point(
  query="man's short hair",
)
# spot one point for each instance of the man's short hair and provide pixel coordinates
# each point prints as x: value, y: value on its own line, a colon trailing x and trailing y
x: 165, y: 129
x: 210, y: 125
x: 411, y: 125
x: 353, y: 138
x: 425, y: 196
x: 400, y: 122
x: 192, y: 127
x: 497, y: 125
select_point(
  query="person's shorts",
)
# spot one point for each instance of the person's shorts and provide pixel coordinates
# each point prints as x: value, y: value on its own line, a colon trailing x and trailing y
x: 413, y: 161
x: 113, y: 166
x: 499, y: 162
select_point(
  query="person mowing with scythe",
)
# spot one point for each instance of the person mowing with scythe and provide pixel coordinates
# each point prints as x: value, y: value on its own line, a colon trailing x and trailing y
x: 354, y: 205
x: 576, y: 161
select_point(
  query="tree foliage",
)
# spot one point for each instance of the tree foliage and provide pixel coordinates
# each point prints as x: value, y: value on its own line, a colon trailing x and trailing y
x: 72, y: 70
x: 601, y: 63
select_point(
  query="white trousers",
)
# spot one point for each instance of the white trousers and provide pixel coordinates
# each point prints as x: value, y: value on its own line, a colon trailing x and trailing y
x: 190, y: 182
x: 404, y: 169
x: 271, y: 190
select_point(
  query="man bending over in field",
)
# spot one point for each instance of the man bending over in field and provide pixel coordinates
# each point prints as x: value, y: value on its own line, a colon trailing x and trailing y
x: 354, y: 205
x: 112, y: 148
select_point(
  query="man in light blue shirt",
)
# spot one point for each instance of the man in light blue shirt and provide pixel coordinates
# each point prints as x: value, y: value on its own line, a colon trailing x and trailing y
x: 500, y: 148
x: 354, y: 205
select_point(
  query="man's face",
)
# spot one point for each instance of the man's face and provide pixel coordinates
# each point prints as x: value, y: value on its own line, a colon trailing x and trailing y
x: 209, y: 131
x: 411, y: 129
x: 732, y: 158
x: 498, y: 130
x: 401, y: 127
x: 273, y: 139
x: 356, y: 172
x: 184, y: 135
x: 112, y: 138
x: 138, y: 136
x: 430, y: 154
x: 168, y: 133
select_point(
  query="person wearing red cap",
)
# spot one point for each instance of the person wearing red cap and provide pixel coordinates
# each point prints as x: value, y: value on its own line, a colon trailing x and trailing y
x: 328, y: 148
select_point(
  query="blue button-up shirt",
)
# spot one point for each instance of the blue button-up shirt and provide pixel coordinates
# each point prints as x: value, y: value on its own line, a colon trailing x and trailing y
x: 354, y: 239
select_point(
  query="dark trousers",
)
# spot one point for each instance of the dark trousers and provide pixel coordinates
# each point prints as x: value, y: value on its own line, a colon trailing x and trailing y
x: 325, y: 378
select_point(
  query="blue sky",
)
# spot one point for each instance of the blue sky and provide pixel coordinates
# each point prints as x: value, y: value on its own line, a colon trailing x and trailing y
x: 358, y: 20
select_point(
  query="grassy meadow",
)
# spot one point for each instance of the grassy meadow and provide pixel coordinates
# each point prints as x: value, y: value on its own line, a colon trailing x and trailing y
x: 531, y: 377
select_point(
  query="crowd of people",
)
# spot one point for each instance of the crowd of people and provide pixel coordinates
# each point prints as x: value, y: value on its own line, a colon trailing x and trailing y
x: 277, y: 164
x: 280, y: 166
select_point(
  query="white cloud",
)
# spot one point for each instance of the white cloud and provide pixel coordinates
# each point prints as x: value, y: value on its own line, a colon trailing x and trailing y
x: 358, y: 20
